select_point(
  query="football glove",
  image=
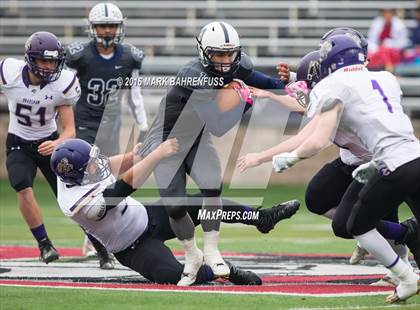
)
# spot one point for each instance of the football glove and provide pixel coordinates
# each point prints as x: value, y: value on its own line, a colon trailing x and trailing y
x: 284, y: 161
x: 243, y: 91
x: 294, y: 88
x: 364, y: 172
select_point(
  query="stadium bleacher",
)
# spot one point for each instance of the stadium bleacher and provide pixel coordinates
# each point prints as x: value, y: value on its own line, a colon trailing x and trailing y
x: 271, y: 30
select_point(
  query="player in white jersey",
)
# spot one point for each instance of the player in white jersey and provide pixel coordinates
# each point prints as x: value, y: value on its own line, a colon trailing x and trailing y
x: 328, y: 192
x: 90, y: 195
x: 37, y: 89
x: 367, y: 105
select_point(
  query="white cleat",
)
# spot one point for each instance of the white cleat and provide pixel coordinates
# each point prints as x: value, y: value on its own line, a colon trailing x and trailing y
x: 193, y: 262
x: 388, y: 280
x: 217, y: 264
x: 403, y: 291
x: 358, y: 255
x: 88, y: 249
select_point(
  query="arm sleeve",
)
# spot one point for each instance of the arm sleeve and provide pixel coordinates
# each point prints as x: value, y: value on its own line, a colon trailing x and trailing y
x: 117, y: 192
x: 136, y: 103
x: 263, y: 81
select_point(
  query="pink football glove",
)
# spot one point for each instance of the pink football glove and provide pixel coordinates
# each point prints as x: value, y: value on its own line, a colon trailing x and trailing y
x: 243, y: 91
x: 294, y: 88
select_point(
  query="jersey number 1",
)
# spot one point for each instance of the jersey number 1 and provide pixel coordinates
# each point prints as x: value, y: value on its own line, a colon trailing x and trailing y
x: 376, y: 86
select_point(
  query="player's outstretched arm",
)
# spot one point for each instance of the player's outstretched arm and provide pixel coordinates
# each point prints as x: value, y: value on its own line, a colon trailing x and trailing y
x: 284, y: 100
x: 65, y: 112
x: 138, y: 174
x: 122, y: 162
x: 323, y: 133
x: 255, y: 159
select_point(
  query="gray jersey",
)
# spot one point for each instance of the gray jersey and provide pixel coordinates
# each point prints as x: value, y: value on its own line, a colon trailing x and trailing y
x: 121, y: 226
x: 100, y: 79
x: 372, y: 112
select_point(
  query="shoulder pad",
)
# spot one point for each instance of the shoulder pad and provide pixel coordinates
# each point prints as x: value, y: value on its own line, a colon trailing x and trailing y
x: 68, y: 84
x: 245, y: 67
x: 10, y: 70
x: 136, y: 54
x: 74, y: 52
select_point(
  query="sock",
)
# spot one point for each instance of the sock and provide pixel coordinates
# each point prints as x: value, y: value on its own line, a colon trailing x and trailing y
x: 39, y: 233
x: 391, y: 230
x: 211, y: 205
x: 376, y: 245
x: 400, y: 249
x: 211, y: 241
x: 183, y: 227
x: 190, y: 246
x: 402, y: 271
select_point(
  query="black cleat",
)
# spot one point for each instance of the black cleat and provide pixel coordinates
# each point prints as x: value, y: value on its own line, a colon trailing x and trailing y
x: 105, y: 260
x: 412, y: 238
x: 268, y: 218
x: 48, y: 253
x: 242, y: 277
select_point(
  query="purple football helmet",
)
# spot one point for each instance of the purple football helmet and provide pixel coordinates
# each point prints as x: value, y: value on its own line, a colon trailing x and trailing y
x: 44, y: 45
x: 309, y: 69
x: 353, y: 33
x: 76, y: 162
x: 339, y: 51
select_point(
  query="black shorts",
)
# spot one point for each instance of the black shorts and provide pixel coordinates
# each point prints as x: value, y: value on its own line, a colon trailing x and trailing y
x: 383, y: 194
x: 326, y: 189
x: 23, y: 160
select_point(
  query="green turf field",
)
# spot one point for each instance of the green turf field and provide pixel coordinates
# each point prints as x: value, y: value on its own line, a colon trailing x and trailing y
x: 304, y: 233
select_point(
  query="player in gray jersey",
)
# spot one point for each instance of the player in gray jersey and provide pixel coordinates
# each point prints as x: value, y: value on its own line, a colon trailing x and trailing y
x: 103, y: 66
x: 191, y: 113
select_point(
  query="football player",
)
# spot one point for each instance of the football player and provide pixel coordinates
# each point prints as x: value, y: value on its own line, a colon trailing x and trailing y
x: 320, y: 199
x: 367, y: 105
x: 192, y: 113
x: 103, y: 66
x: 327, y: 190
x: 37, y: 89
x: 90, y: 195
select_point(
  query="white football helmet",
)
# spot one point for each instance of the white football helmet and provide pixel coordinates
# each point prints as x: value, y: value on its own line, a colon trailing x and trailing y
x: 106, y: 13
x: 219, y: 37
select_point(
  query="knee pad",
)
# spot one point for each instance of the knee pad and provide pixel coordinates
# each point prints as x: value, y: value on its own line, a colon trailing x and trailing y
x: 313, y: 202
x: 340, y: 229
x: 176, y: 212
x: 20, y: 181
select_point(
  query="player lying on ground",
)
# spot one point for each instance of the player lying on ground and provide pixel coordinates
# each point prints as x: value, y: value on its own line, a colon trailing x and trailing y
x: 89, y: 194
x: 327, y: 188
x: 351, y: 99
x: 192, y: 113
